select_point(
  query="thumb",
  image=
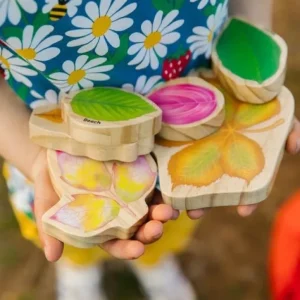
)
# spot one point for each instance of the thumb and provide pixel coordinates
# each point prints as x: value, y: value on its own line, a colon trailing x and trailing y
x: 45, y: 198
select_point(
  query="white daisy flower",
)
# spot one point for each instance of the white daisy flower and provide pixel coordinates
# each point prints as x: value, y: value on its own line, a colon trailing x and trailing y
x: 72, y: 6
x: 15, y: 67
x: 151, y: 43
x: 101, y: 26
x: 50, y: 97
x: 11, y: 9
x: 203, y: 3
x: 202, y: 39
x: 143, y: 85
x: 81, y: 74
x: 36, y: 47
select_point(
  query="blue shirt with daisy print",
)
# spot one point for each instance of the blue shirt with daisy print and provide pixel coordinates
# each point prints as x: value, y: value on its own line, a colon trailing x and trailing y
x: 48, y: 46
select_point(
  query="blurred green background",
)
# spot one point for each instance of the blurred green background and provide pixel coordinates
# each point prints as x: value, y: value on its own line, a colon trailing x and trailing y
x: 227, y: 257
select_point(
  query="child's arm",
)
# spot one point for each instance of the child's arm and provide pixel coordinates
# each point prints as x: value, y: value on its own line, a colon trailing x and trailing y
x: 257, y: 11
x: 16, y: 147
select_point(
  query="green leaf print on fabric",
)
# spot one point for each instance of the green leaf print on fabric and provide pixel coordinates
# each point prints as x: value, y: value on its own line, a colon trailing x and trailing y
x: 12, y: 31
x: 210, y: 10
x: 167, y: 5
x: 23, y: 92
x: 110, y: 104
x: 120, y: 52
x: 40, y: 20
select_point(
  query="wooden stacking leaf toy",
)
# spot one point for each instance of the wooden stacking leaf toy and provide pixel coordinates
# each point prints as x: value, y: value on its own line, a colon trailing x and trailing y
x: 192, y: 108
x: 221, y: 141
x: 101, y: 123
x: 250, y: 62
x: 99, y: 201
x: 236, y: 165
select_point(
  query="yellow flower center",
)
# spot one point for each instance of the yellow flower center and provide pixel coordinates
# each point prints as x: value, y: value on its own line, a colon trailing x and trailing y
x: 101, y: 26
x: 5, y: 62
x: 210, y: 36
x: 27, y: 53
x: 76, y: 76
x: 152, y: 39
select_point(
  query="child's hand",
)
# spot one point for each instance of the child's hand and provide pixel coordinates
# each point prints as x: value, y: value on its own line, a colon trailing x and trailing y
x: 45, y: 198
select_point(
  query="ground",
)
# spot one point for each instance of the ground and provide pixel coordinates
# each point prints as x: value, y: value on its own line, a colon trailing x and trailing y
x: 226, y: 259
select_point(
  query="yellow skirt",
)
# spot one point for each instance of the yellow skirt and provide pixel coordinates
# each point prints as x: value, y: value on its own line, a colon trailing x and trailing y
x: 176, y: 233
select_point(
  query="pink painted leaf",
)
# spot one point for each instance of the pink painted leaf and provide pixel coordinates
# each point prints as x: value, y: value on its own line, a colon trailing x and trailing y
x: 133, y: 180
x: 84, y: 173
x: 184, y: 103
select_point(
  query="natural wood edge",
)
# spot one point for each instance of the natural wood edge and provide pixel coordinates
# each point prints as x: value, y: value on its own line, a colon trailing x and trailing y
x: 198, y: 132
x: 124, y: 153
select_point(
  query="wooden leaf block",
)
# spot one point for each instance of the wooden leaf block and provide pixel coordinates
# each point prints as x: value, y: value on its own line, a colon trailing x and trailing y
x: 250, y: 62
x: 192, y: 108
x: 100, y: 123
x: 99, y: 201
x: 236, y: 165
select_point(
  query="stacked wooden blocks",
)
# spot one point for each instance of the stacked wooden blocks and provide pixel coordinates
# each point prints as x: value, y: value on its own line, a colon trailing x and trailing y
x: 220, y: 141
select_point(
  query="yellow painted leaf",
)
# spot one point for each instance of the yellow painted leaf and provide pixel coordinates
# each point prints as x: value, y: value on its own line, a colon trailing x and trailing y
x: 52, y: 116
x: 198, y: 164
x: 242, y: 157
x: 133, y: 180
x: 88, y: 212
x: 248, y: 115
x: 166, y: 143
x: 84, y: 173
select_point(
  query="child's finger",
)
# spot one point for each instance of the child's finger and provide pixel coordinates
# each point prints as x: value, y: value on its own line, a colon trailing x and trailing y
x: 45, y: 198
x: 196, y: 214
x: 162, y: 213
x: 124, y: 249
x: 293, y: 142
x: 150, y: 232
x: 246, y: 210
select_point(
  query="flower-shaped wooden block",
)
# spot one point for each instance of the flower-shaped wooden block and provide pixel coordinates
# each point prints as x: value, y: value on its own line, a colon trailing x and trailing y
x: 192, y: 108
x: 99, y: 201
x: 236, y: 165
x: 250, y: 62
x: 101, y: 123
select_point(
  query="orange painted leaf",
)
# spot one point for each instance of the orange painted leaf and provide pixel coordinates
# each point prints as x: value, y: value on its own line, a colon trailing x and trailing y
x: 242, y: 157
x: 198, y: 164
x: 52, y: 116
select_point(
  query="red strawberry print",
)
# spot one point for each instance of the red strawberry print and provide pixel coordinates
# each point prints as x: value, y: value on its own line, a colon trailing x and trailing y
x: 2, y: 73
x: 174, y: 67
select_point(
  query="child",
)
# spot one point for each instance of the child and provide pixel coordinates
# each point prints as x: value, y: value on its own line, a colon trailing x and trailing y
x: 53, y: 46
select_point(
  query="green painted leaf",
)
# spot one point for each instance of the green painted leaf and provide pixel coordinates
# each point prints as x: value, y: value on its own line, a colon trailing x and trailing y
x: 248, y: 52
x: 167, y: 5
x: 109, y: 104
